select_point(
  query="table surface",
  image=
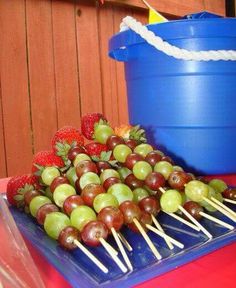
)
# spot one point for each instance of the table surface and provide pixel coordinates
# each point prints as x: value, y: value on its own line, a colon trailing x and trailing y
x: 215, y: 269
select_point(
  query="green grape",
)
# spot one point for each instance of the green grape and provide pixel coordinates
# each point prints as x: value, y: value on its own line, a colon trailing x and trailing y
x: 121, y: 191
x: 177, y: 168
x: 196, y: 190
x: 80, y: 157
x: 219, y: 197
x: 124, y: 172
x: 143, y: 149
x: 164, y: 167
x: 121, y: 151
x: 49, y: 174
x: 88, y: 178
x: 62, y: 192
x: 36, y: 203
x: 102, y: 132
x: 170, y: 201
x: 218, y: 185
x: 211, y: 193
x: 108, y: 173
x: 104, y: 200
x: 139, y: 194
x: 81, y: 215
x: 141, y: 169
x: 71, y: 176
x: 55, y: 222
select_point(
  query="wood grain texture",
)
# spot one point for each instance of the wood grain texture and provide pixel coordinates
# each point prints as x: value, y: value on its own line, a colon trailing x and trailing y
x: 3, y: 167
x: 108, y: 67
x: 54, y: 67
x: 14, y: 87
x: 88, y: 57
x: 119, y: 13
x: 65, y: 59
x: 41, y: 71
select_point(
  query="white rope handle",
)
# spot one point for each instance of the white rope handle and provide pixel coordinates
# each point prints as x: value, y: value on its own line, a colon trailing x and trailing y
x: 178, y: 53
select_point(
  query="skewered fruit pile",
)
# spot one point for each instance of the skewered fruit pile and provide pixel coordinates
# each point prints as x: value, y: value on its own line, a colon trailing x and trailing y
x: 94, y: 182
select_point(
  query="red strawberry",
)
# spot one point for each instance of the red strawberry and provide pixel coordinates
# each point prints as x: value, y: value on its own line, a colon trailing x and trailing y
x: 17, y: 186
x: 46, y: 159
x: 95, y: 148
x: 87, y: 124
x: 64, y: 139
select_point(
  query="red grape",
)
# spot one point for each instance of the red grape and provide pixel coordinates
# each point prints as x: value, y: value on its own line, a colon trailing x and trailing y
x: 67, y: 236
x: 58, y: 181
x: 150, y: 205
x: 130, y: 211
x: 93, y: 231
x: 132, y: 143
x: 84, y: 167
x: 133, y: 182
x: 178, y: 179
x: 29, y: 195
x: 153, y: 157
x: 155, y: 180
x: 230, y: 193
x: 114, y: 140
x: 167, y: 159
x: 44, y: 210
x: 131, y: 159
x: 102, y: 165
x: 193, y: 209
x: 112, y: 217
x: 145, y: 218
x: 74, y: 151
x: 110, y: 181
x: 71, y: 203
x: 90, y: 191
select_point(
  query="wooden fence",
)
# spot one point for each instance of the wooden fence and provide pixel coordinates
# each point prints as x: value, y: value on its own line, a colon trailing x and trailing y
x: 54, y: 68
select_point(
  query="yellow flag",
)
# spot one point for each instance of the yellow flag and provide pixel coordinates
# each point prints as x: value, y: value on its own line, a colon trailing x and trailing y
x: 155, y: 17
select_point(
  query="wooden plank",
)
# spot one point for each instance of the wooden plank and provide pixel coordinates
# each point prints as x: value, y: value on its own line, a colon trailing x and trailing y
x: 215, y: 6
x: 65, y: 57
x: 14, y: 87
x: 41, y: 72
x: 119, y: 14
x: 108, y: 66
x: 172, y: 7
x: 3, y: 168
x: 89, y: 57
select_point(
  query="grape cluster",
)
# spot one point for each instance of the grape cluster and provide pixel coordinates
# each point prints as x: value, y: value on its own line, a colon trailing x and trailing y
x: 93, y: 197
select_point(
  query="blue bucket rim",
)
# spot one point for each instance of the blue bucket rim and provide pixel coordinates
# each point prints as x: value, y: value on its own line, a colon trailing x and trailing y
x: 178, y: 29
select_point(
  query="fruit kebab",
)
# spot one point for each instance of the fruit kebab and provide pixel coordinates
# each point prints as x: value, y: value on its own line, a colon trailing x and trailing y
x: 196, y: 210
x: 57, y: 225
x: 228, y: 193
x: 198, y: 191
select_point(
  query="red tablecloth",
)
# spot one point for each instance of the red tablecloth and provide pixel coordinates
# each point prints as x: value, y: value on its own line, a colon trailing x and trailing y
x: 216, y: 269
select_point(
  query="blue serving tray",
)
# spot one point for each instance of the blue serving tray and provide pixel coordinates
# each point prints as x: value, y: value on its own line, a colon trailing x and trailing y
x: 80, y: 272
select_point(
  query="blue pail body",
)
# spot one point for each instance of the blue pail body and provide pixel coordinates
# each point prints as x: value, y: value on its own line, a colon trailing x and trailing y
x: 188, y: 108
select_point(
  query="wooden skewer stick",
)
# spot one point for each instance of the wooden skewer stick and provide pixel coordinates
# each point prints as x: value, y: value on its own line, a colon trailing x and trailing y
x: 147, y: 239
x: 165, y: 236
x: 229, y: 200
x: 112, y: 249
x: 175, y: 216
x: 216, y: 220
x: 125, y: 242
x: 91, y: 256
x: 217, y: 207
x: 223, y: 206
x: 113, y: 256
x: 157, y: 224
x: 203, y: 229
x: 122, y: 250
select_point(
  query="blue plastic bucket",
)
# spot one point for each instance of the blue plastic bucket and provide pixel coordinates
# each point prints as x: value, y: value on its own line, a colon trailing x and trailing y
x: 188, y: 108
